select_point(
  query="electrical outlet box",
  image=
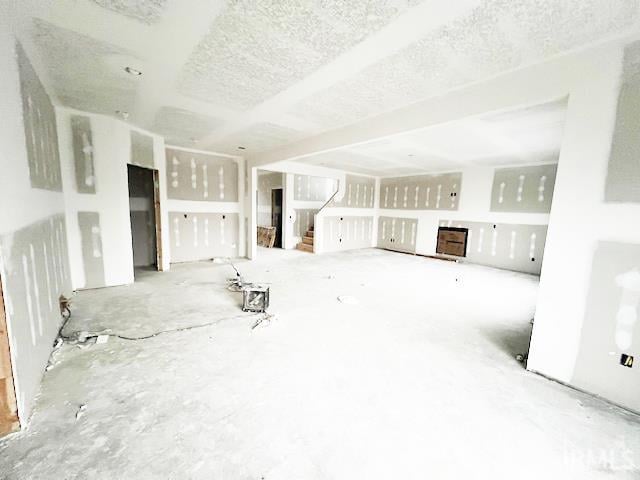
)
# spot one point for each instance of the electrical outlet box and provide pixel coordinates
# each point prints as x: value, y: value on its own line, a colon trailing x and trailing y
x: 626, y: 360
x: 255, y: 298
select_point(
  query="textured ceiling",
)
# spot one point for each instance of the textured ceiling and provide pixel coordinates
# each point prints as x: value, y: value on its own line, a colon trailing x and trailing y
x: 241, y: 72
x: 80, y: 72
x: 499, y: 35
x: 259, y: 137
x: 182, y: 127
x: 147, y: 11
x: 525, y: 136
x: 256, y: 49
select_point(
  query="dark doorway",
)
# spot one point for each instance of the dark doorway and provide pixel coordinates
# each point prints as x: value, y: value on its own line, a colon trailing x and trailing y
x: 276, y: 215
x: 143, y: 208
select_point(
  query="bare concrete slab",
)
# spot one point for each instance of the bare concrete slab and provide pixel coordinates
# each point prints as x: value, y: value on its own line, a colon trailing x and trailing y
x: 415, y: 379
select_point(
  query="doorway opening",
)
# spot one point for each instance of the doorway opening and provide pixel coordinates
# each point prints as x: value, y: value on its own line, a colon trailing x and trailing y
x: 276, y: 215
x: 9, y: 421
x: 144, y: 213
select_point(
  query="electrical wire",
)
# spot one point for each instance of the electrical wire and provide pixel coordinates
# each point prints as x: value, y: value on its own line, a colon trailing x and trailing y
x: 74, y: 336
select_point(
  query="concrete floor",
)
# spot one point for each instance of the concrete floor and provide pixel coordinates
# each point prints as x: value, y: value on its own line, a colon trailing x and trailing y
x: 417, y: 380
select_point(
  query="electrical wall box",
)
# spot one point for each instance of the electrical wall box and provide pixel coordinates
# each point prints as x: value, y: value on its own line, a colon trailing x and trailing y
x: 255, y: 298
x: 626, y: 360
x: 452, y: 241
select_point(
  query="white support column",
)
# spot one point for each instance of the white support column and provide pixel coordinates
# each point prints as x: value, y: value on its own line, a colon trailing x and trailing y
x: 242, y: 217
x: 288, y: 213
x: 252, y: 232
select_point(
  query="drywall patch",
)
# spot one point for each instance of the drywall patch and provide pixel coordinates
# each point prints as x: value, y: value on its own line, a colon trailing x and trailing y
x: 514, y: 247
x: 39, y: 127
x: 79, y: 70
x: 399, y: 234
x: 623, y: 174
x: 611, y: 325
x: 91, y: 235
x: 202, y: 236
x: 36, y: 266
x: 141, y: 149
x: 83, y: 154
x: 523, y: 189
x: 422, y: 192
x: 199, y: 176
x: 146, y: 11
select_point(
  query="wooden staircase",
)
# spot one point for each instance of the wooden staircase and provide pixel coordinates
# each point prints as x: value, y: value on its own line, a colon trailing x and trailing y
x: 306, y: 245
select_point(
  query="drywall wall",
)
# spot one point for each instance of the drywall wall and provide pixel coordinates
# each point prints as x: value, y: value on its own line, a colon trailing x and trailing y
x: 504, y: 245
x: 39, y: 126
x: 523, y: 189
x: 267, y: 181
x: 109, y: 141
x: 33, y: 247
x: 397, y: 233
x: 92, y: 253
x: 203, y: 235
x: 623, y: 171
x: 83, y: 154
x: 204, y: 189
x: 201, y: 176
x: 307, y: 188
x: 142, y: 151
x: 614, y: 294
x: 359, y: 192
x: 582, y: 220
x: 349, y: 220
x: 472, y: 207
x: 346, y: 232
x: 421, y: 192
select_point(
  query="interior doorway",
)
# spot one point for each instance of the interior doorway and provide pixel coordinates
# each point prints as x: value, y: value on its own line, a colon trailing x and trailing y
x: 144, y: 213
x: 8, y: 408
x: 276, y: 215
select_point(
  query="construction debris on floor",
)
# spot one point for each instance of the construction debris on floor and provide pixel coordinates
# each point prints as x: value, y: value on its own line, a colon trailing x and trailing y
x: 405, y: 386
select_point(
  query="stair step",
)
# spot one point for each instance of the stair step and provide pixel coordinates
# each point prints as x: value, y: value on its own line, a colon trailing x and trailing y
x: 309, y: 233
x: 304, y: 247
x: 307, y: 240
x: 311, y: 228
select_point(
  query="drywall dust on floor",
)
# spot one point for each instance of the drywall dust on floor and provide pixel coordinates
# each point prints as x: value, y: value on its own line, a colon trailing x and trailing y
x: 417, y: 379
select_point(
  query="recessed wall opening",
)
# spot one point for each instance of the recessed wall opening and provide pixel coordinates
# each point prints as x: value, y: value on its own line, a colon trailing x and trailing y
x: 143, y: 207
x: 288, y: 205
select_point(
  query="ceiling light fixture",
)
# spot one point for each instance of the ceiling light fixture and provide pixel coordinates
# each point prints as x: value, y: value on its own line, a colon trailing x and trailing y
x: 242, y: 148
x: 132, y: 71
x: 122, y: 114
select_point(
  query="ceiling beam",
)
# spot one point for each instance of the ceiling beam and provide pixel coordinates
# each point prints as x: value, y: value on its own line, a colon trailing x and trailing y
x: 408, y: 28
